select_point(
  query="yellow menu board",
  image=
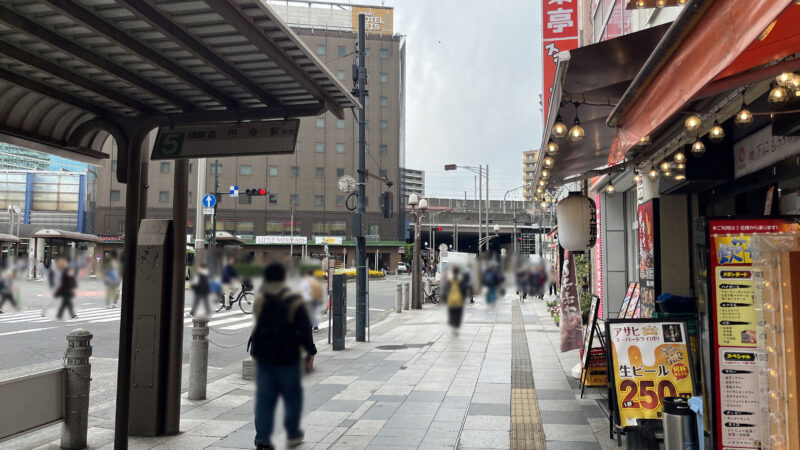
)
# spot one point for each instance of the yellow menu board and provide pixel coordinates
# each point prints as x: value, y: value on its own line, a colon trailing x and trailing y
x: 736, y: 317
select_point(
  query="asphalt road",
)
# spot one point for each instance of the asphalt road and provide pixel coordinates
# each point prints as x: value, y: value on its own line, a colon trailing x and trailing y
x: 31, y: 342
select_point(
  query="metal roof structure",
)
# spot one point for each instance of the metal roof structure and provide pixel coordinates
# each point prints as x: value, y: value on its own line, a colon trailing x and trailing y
x: 9, y: 238
x: 72, y: 70
x: 52, y: 233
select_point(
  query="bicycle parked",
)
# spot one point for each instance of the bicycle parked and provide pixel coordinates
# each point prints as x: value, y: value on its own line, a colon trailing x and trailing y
x: 431, y: 291
x: 245, y: 298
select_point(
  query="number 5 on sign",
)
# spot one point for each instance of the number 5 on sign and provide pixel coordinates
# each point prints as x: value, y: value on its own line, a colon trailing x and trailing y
x: 169, y: 144
x: 649, y: 361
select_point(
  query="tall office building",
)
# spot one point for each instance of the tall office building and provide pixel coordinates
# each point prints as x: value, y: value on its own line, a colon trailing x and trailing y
x: 529, y: 159
x: 413, y: 182
x: 17, y: 158
x: 303, y: 196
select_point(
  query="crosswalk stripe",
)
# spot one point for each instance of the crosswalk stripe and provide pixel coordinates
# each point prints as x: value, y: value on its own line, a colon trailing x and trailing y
x: 29, y: 330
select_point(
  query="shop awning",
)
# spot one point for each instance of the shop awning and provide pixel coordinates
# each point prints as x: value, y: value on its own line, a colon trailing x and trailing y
x: 9, y: 238
x: 52, y: 233
x: 709, y: 42
x: 226, y: 238
x: 595, y: 76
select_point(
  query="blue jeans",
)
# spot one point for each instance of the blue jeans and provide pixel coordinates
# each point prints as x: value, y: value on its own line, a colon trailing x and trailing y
x: 273, y: 381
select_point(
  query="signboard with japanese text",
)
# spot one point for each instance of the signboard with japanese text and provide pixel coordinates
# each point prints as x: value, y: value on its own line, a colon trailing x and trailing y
x: 272, y: 137
x: 328, y: 240
x: 633, y: 305
x: 598, y: 256
x: 649, y: 278
x: 376, y: 20
x: 649, y: 360
x: 571, y: 323
x: 761, y: 149
x: 735, y: 356
x: 626, y: 300
x: 559, y: 33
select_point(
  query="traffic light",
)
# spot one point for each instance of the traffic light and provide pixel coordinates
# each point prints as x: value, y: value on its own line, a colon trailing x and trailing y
x: 440, y: 229
x: 387, y: 204
x: 255, y: 192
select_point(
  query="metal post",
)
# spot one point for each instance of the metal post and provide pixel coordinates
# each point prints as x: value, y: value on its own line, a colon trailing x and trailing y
x: 361, y: 244
x: 406, y: 295
x: 291, y: 239
x: 212, y: 260
x: 199, y: 217
x: 416, y: 280
x: 198, y: 359
x: 77, y: 380
x: 339, y: 311
x: 180, y: 207
x: 515, y: 226
x: 132, y: 218
x: 398, y: 298
x: 488, y: 204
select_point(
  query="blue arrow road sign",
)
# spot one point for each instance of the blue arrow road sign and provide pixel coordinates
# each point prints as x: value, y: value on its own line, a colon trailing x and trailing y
x: 209, y: 201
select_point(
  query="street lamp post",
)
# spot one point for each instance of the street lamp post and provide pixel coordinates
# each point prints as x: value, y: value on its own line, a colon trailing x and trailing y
x: 482, y: 172
x: 515, y: 211
x: 418, y: 207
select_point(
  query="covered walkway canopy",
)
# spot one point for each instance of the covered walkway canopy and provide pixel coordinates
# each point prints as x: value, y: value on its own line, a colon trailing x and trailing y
x: 74, y: 72
x: 52, y: 233
x: 9, y: 238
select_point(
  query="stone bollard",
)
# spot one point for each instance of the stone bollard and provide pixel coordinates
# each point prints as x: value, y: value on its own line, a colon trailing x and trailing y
x: 198, y: 359
x: 78, y: 374
x: 398, y: 298
x: 406, y: 295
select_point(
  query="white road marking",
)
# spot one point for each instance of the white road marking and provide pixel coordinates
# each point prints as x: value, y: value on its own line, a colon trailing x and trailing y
x: 30, y: 330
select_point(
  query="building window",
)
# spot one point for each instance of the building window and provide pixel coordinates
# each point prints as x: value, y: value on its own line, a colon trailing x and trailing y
x: 384, y: 149
x: 215, y: 169
x: 340, y: 200
x: 293, y: 200
x: 384, y: 102
x: 339, y: 147
x: 320, y: 122
x: 384, y: 124
x: 340, y: 124
x: 245, y: 199
x: 280, y: 227
x: 321, y: 49
x: 113, y: 165
x: 382, y: 173
x: 190, y: 197
x: 384, y: 77
x: 165, y: 167
x: 273, y: 198
x: 341, y: 50
x: 319, y: 200
x: 320, y: 172
x: 384, y: 53
x: 339, y: 172
x: 366, y: 124
x: 340, y: 75
x: 294, y: 171
x: 114, y: 195
x: 375, y: 230
x: 245, y: 169
x: 320, y: 147
x: 329, y: 228
x: 163, y: 196
x: 273, y: 171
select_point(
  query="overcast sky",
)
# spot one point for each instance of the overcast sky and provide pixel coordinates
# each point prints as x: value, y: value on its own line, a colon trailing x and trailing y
x: 474, y: 76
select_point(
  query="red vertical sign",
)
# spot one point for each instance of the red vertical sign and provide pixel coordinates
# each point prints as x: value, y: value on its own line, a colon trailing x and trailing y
x: 598, y: 257
x: 559, y: 33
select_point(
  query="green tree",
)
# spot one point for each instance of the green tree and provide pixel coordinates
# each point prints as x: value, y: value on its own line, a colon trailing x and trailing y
x: 408, y: 256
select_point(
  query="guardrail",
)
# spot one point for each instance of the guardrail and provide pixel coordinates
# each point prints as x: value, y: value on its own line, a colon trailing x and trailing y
x: 42, y: 399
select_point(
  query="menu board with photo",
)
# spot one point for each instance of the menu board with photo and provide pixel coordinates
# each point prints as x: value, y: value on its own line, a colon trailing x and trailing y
x: 625, y: 301
x: 648, y: 255
x: 634, y: 303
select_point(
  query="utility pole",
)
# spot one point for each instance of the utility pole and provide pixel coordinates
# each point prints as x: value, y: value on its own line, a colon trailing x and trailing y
x: 212, y: 260
x: 291, y: 241
x: 480, y: 200
x: 361, y: 242
x: 199, y: 217
x: 488, y: 203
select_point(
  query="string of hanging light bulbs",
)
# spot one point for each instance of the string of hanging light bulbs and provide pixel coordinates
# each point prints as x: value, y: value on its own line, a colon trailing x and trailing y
x: 785, y: 86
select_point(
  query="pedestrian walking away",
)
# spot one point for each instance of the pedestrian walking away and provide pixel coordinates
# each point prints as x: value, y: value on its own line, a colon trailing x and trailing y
x: 112, y: 281
x: 282, y: 329
x: 201, y: 287
x: 454, y: 289
x: 7, y: 289
x: 311, y: 291
x: 66, y: 289
x: 230, y: 282
x: 492, y: 279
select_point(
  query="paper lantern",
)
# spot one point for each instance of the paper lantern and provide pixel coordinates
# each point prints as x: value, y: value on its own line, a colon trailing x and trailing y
x: 577, y: 222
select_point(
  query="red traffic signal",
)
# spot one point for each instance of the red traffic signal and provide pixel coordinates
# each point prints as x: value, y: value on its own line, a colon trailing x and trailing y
x: 255, y: 192
x: 440, y: 229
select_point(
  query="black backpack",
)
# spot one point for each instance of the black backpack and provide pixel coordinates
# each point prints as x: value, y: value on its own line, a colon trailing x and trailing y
x: 274, y: 334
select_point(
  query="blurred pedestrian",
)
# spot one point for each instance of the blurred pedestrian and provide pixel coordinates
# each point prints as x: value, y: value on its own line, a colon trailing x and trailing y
x: 201, y: 287
x: 282, y: 329
x: 112, y: 281
x: 230, y: 282
x: 7, y: 289
x: 311, y: 291
x: 523, y: 284
x: 66, y: 288
x: 468, y: 290
x: 453, y: 292
x: 552, y: 278
x: 493, y: 278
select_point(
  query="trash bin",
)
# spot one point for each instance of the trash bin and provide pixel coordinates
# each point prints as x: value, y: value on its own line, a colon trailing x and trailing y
x: 680, y: 426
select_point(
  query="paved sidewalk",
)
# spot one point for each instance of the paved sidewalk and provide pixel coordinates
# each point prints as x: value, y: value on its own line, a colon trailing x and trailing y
x: 416, y: 385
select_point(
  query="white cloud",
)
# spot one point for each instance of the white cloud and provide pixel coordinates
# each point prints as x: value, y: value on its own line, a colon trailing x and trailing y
x: 473, y: 82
